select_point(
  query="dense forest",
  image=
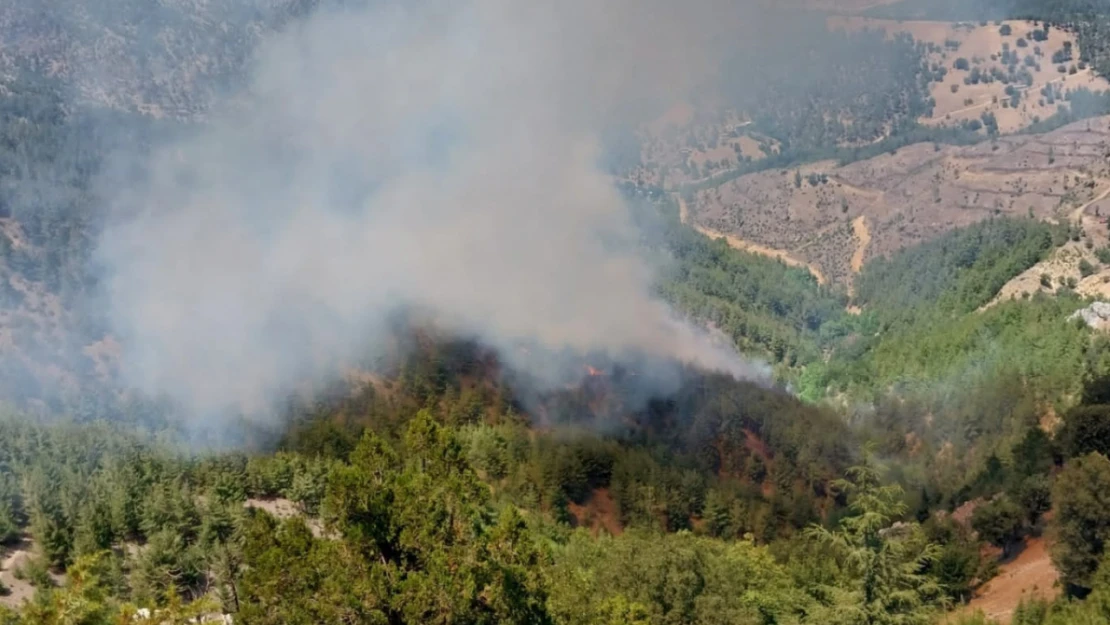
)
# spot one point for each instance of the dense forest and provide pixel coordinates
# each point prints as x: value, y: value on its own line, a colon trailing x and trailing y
x: 428, y: 498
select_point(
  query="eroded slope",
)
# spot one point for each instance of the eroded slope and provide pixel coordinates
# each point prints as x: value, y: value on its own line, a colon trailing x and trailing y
x: 910, y: 196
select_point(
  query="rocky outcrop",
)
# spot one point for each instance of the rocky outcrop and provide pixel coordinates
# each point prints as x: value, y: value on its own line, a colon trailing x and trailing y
x: 1097, y: 315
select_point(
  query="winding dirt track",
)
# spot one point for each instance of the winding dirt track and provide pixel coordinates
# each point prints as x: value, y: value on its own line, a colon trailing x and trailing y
x: 863, y: 233
x: 748, y: 246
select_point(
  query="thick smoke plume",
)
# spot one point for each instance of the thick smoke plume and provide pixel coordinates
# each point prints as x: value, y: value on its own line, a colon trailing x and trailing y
x: 445, y: 156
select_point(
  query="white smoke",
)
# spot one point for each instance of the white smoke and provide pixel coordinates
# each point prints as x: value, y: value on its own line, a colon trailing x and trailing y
x: 442, y: 155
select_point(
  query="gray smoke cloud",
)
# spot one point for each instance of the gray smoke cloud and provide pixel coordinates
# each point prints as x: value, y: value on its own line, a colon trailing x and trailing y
x: 443, y: 155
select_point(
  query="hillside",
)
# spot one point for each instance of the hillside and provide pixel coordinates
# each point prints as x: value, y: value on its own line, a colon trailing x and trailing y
x: 561, y: 313
x: 1014, y: 76
x: 910, y: 196
x: 163, y: 59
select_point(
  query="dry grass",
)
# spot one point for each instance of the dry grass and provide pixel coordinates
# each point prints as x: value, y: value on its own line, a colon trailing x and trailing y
x: 282, y: 509
x: 750, y: 246
x: 1062, y: 265
x: 910, y: 196
x: 978, y: 44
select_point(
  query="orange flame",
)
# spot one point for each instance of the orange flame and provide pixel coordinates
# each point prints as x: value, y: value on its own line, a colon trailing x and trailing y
x: 593, y: 372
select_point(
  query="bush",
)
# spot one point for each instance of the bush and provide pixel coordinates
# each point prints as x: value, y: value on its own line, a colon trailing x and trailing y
x: 1086, y: 268
x: 36, y: 572
x: 961, y: 63
x: 1005, y: 31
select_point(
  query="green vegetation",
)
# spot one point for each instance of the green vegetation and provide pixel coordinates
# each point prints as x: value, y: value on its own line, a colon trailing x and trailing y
x: 958, y: 272
x: 763, y: 305
x: 408, y: 532
x: 932, y: 371
x: 912, y: 133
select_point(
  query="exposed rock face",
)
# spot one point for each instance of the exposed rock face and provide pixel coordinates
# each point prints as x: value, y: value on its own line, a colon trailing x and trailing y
x: 1097, y: 315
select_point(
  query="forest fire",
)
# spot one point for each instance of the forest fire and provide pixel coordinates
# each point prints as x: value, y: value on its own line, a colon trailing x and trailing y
x: 594, y: 373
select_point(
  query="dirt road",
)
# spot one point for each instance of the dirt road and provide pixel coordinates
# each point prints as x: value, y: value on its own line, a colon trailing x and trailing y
x: 748, y: 246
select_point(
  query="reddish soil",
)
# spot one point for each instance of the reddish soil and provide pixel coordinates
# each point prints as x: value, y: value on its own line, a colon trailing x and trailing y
x: 757, y: 446
x: 599, y: 512
x: 1028, y: 575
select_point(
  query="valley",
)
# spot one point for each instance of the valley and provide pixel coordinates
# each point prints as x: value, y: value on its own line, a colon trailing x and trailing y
x: 560, y: 313
x: 910, y: 196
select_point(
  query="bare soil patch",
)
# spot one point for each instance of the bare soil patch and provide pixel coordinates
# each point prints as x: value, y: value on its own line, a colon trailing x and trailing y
x: 599, y: 512
x: 985, y: 48
x: 909, y: 196
x: 863, y: 234
x: 14, y: 557
x: 1062, y: 267
x: 282, y: 509
x: 1029, y: 575
x: 749, y: 246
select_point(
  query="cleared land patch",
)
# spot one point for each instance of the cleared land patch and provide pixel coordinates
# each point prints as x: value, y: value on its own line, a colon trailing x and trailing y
x: 1030, y: 575
x: 749, y: 246
x: 909, y: 196
x: 1011, y: 70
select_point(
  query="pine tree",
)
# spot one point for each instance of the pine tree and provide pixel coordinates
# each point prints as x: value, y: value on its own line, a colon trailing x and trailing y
x: 883, y: 566
x: 718, y: 521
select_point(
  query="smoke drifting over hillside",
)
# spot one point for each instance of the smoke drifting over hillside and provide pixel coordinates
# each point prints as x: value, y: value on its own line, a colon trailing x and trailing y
x: 443, y: 156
